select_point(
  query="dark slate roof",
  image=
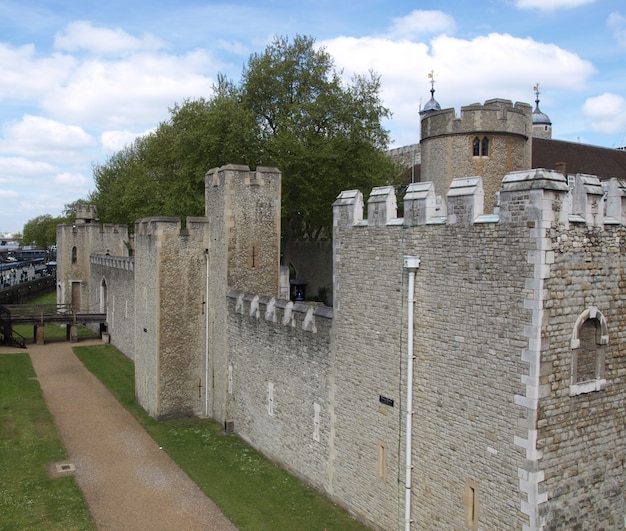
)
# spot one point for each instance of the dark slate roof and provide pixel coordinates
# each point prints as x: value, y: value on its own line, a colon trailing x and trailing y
x: 605, y: 163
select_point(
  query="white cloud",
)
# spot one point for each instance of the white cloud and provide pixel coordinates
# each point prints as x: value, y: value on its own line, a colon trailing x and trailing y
x: 26, y: 76
x: 82, y: 35
x: 113, y: 141
x: 8, y: 194
x: 421, y: 22
x: 67, y: 179
x: 14, y: 166
x: 35, y: 135
x: 466, y: 71
x: 617, y: 24
x: 138, y: 89
x: 551, y: 5
x: 606, y: 113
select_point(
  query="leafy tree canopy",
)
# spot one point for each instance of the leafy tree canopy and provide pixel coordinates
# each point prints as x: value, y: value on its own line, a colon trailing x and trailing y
x: 291, y: 110
x: 41, y: 231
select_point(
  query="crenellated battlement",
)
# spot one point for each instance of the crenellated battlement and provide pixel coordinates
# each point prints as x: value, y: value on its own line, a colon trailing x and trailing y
x: 305, y: 316
x: 126, y: 263
x: 532, y: 195
x: 262, y: 176
x: 495, y: 115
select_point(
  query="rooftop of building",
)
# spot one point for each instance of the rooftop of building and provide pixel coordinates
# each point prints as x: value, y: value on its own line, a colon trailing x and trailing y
x: 606, y: 163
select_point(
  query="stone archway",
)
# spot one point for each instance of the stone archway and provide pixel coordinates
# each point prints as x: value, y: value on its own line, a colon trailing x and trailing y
x: 104, y: 296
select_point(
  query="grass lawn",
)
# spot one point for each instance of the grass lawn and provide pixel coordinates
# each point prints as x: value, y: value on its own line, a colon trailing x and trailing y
x: 254, y: 493
x: 29, y: 499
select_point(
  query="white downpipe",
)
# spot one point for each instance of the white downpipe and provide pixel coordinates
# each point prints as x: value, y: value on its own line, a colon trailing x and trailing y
x: 411, y: 263
x: 206, y: 338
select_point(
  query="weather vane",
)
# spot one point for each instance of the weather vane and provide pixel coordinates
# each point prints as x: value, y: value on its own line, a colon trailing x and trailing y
x: 431, y: 76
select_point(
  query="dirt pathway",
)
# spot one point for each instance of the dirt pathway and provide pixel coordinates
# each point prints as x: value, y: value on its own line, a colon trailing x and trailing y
x: 127, y: 481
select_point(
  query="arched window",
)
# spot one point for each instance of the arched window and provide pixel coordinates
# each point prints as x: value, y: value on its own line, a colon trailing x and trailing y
x: 476, y: 147
x: 74, y: 254
x: 480, y: 147
x: 485, y: 147
x: 589, y: 342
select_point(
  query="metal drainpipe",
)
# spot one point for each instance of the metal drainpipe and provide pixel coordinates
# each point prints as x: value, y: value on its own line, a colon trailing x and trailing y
x: 206, y: 338
x: 411, y: 264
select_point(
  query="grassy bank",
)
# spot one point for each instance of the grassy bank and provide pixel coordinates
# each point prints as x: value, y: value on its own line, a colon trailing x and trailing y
x: 29, y: 499
x: 253, y: 492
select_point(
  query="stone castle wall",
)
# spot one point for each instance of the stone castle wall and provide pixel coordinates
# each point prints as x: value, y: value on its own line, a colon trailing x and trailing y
x: 582, y: 435
x: 85, y: 238
x: 503, y: 436
x: 278, y: 381
x: 244, y: 254
x: 170, y: 287
x: 113, y: 291
x: 495, y: 417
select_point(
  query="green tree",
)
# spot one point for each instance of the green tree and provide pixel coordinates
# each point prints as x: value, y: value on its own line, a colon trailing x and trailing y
x: 69, y: 210
x: 325, y: 136
x: 41, y: 231
x: 292, y: 110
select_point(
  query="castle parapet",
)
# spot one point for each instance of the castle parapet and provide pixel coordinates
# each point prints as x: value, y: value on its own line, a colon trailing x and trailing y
x: 534, y: 195
x: 587, y: 200
x: 615, y: 201
x: 538, y: 195
x: 348, y: 208
x: 496, y: 115
x: 465, y: 200
x: 303, y: 315
x: 382, y: 206
x: 420, y: 204
x: 126, y: 263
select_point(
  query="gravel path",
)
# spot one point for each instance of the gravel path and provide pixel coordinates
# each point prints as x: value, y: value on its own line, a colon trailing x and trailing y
x: 127, y: 481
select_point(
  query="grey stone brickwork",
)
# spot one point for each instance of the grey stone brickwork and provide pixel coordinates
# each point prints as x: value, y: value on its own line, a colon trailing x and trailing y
x: 407, y: 156
x: 170, y: 287
x: 75, y: 242
x: 286, y: 346
x: 518, y: 358
x: 113, y: 292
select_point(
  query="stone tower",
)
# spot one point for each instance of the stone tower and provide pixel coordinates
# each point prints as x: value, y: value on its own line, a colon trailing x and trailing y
x: 75, y: 242
x: 243, y: 210
x: 170, y: 309
x: 489, y: 140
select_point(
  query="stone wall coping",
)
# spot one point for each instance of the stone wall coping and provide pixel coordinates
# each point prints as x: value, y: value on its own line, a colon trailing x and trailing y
x: 303, y: 314
x: 590, y: 201
x: 114, y: 262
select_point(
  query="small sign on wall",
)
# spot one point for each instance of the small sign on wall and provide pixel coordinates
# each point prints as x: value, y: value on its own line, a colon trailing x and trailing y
x: 384, y: 400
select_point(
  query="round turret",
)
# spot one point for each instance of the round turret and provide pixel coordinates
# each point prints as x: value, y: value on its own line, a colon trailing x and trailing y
x: 489, y: 140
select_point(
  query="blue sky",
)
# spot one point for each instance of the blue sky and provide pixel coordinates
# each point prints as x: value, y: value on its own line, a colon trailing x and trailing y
x: 80, y: 79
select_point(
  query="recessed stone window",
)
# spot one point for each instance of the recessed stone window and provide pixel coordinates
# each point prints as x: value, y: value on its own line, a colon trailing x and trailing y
x: 381, y: 461
x: 470, y: 504
x: 270, y: 399
x: 254, y: 254
x: 480, y: 147
x: 74, y: 255
x: 589, y: 343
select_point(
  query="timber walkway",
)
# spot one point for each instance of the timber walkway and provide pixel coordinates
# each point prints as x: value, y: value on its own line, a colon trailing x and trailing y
x: 39, y: 315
